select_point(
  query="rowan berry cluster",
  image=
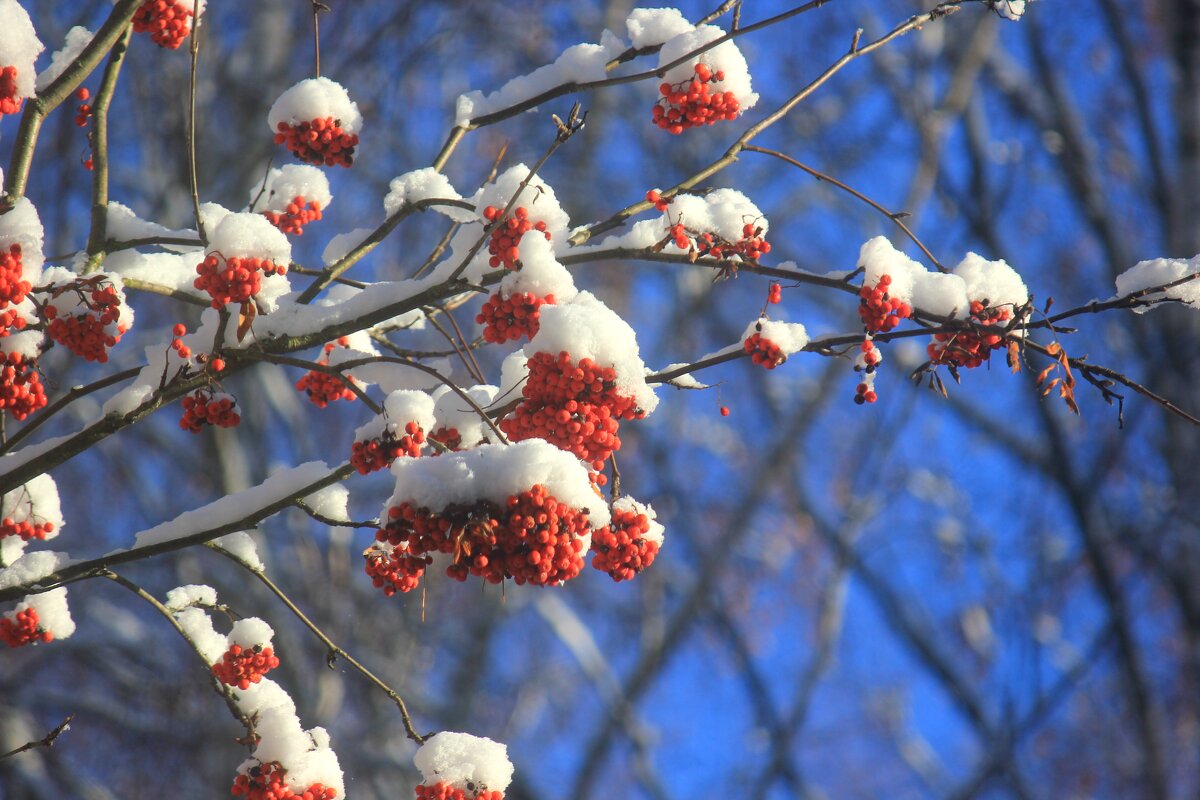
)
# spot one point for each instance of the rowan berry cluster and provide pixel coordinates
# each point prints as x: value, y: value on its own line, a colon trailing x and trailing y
x: 775, y: 294
x: 205, y: 408
x: 448, y: 438
x: 695, y: 102
x: 574, y: 406
x: 971, y: 348
x: 13, y: 288
x: 21, y: 390
x: 27, y: 528
x: 763, y: 351
x: 88, y: 335
x: 395, y: 570
x: 318, y: 141
x: 375, y: 454
x: 507, y: 234
x: 22, y: 628
x: 242, y: 666
x: 233, y: 280
x: 879, y: 311
x: 867, y: 360
x: 620, y: 548
x: 324, y: 388
x: 295, y: 216
x: 269, y: 782
x: 167, y: 21
x: 9, y: 102
x: 446, y: 791
x: 532, y: 538
x: 84, y: 112
x: 751, y: 247
x: 506, y: 319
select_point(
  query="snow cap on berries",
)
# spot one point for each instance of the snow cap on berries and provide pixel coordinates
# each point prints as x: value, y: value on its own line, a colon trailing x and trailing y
x: 993, y: 281
x: 53, y: 615
x: 425, y: 184
x: 587, y: 328
x: 198, y: 626
x: 31, y: 511
x: 245, y: 235
x: 460, y: 758
x: 495, y: 472
x: 304, y: 755
x: 78, y: 38
x: 250, y: 632
x: 19, y: 49
x: 540, y: 273
x: 725, y: 57
x: 400, y: 408
x: 312, y: 99
x: 631, y: 506
x: 724, y: 212
x: 22, y: 226
x: 877, y: 258
x: 1160, y: 272
x: 789, y: 337
x: 537, y: 198
x: 940, y: 293
x: 650, y: 26
x: 286, y: 183
x: 453, y: 412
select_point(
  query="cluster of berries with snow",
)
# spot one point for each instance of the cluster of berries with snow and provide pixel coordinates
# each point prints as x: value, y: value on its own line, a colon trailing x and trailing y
x: 504, y: 243
x: 880, y: 312
x: 459, y: 766
x: 19, y: 49
x: 763, y: 351
x: 317, y: 122
x: 31, y: 511
x: 324, y: 388
x: 398, y: 432
x: 295, y: 215
x: 233, y: 280
x: 91, y: 324
x: 203, y: 407
x: 242, y: 666
x: 971, y: 348
x: 769, y: 342
x: 575, y: 406
x: 508, y: 319
x: 629, y: 543
x: 21, y: 390
x: 370, y: 455
x: 531, y: 537
x: 167, y: 21
x: 695, y: 102
x: 269, y: 782
x: 295, y: 195
x: 39, y: 618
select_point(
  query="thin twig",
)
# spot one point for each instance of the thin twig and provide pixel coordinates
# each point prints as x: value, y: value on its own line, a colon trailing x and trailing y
x: 46, y: 741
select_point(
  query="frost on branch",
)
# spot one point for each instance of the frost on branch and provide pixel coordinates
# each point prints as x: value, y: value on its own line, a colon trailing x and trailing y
x: 38, y: 618
x: 630, y: 542
x: 579, y: 63
x: 424, y: 184
x: 459, y: 766
x: 524, y: 511
x: 293, y: 196
x: 19, y: 48
x: 318, y: 122
x: 77, y: 39
x: 1161, y: 272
